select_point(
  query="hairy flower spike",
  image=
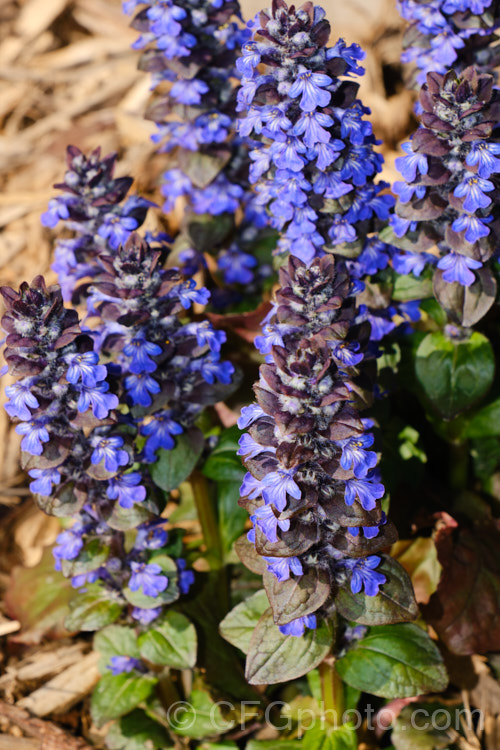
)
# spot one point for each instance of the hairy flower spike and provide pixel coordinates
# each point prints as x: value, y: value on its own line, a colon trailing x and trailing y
x: 313, y: 163
x: 78, y: 454
x: 90, y: 205
x: 312, y: 483
x: 170, y: 366
x: 447, y: 34
x: 448, y: 197
x: 195, y: 47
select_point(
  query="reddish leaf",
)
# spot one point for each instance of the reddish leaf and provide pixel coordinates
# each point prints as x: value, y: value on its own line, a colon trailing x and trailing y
x: 465, y: 609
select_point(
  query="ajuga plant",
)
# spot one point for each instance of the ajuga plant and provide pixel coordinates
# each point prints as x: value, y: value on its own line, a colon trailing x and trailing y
x: 82, y: 460
x: 314, y: 163
x: 91, y: 206
x: 195, y: 47
x: 446, y: 34
x: 447, y: 213
x: 313, y: 488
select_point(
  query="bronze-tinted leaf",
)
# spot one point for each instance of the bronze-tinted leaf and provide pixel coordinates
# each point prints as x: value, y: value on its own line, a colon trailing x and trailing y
x: 395, y: 601
x: 297, y: 597
x: 274, y: 657
x: 249, y: 556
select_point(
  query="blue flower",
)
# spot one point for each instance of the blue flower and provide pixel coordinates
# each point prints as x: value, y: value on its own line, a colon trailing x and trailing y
x: 87, y: 368
x: 149, y: 577
x: 140, y: 351
x: 20, y: 397
x: 188, y: 294
x: 250, y: 58
x: 159, y: 431
x: 116, y: 229
x: 366, y: 491
x: 364, y: 574
x: 276, y: 485
x: 98, y: 397
x: 124, y: 665
x: 151, y: 535
x: 265, y: 518
x: 348, y: 354
x: 355, y: 457
x: 473, y: 190
x: 406, y: 192
x: 282, y: 567
x: 412, y: 163
x: 108, y: 449
x: 311, y: 86
x: 189, y: 92
x: 139, y: 387
x: 186, y: 577
x: 236, y: 266
x: 406, y: 263
x: 44, y: 479
x: 69, y: 546
x: 341, y: 231
x: 312, y: 125
x: 447, y: 44
x: 473, y: 226
x: 249, y: 414
x: 285, y: 152
x: 457, y: 267
x: 250, y: 448
x: 297, y: 627
x: 35, y: 434
x: 483, y: 155
x: 212, y: 369
x: 208, y: 336
x: 127, y: 489
x: 146, y: 616
x: 57, y: 210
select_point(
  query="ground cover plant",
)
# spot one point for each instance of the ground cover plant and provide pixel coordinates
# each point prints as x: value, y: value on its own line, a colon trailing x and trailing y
x: 302, y: 363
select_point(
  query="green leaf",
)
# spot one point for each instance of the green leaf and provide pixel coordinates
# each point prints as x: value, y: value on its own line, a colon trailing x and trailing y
x: 485, y: 422
x: 92, y: 555
x: 115, y: 640
x: 454, y: 374
x: 274, y: 657
x: 93, y: 610
x: 199, y: 718
x: 319, y: 737
x: 232, y: 517
x: 173, y: 467
x: 136, y: 731
x: 171, y: 593
x: 410, y: 288
x: 116, y: 695
x: 394, y: 661
x: 172, y: 642
x: 223, y: 462
x: 237, y: 627
x: 273, y: 745
x: 395, y: 601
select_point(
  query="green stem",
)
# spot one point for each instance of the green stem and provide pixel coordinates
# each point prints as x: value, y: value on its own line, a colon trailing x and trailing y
x: 459, y: 465
x: 332, y: 691
x: 207, y: 515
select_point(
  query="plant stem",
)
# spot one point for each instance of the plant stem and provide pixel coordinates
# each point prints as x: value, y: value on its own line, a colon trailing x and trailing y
x: 207, y: 515
x: 459, y: 465
x: 332, y: 691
